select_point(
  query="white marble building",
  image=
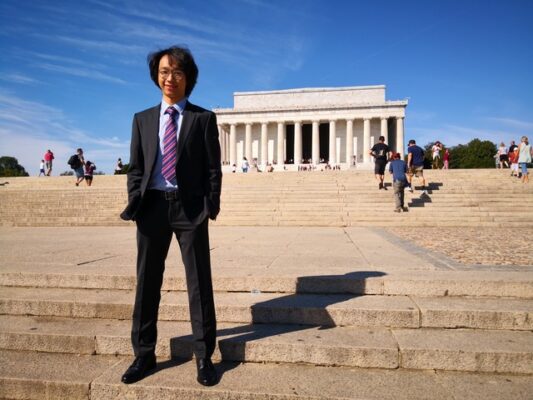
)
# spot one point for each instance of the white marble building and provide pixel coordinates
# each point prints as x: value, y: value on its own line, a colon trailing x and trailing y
x: 316, y: 125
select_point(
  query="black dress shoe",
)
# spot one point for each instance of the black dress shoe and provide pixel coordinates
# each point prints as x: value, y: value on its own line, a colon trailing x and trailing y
x: 207, y: 374
x: 139, y: 368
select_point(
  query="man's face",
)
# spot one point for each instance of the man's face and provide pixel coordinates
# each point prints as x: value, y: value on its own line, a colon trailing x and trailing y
x: 172, y: 80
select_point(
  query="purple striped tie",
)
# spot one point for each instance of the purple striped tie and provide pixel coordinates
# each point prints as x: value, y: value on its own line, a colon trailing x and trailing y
x: 169, y: 145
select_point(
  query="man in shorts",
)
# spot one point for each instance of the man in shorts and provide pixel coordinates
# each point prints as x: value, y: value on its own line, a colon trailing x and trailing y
x: 78, y: 168
x: 415, y: 162
x: 381, y: 153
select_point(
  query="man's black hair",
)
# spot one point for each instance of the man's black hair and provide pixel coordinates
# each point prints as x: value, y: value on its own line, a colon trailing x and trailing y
x: 183, y: 58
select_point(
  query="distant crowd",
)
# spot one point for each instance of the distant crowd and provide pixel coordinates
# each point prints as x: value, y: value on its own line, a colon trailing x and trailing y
x: 82, y: 169
x: 516, y: 158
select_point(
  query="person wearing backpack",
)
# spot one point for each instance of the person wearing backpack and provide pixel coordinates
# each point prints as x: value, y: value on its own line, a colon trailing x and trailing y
x: 76, y: 162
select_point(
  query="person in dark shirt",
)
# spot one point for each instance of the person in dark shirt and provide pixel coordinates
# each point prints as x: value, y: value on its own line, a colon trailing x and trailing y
x: 398, y: 168
x: 381, y: 153
x: 512, y: 147
x: 415, y: 163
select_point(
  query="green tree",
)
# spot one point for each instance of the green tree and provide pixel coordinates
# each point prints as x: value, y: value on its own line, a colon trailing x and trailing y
x: 475, y: 154
x: 9, y: 166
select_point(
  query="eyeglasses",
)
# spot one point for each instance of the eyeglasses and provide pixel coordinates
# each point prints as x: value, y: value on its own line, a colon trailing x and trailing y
x: 176, y: 74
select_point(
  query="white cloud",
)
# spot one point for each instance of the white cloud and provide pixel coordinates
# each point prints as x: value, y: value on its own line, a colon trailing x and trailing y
x: 19, y: 78
x: 512, y: 123
x: 102, y: 45
x: 62, y: 60
x: 29, y: 128
x: 29, y: 150
x: 82, y: 72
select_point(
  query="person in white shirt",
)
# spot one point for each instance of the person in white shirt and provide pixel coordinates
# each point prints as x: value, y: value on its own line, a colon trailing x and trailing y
x: 436, y: 149
x: 504, y: 156
x: 41, y: 169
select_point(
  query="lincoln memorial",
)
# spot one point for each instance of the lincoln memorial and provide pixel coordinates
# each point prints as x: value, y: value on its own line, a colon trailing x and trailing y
x: 310, y: 126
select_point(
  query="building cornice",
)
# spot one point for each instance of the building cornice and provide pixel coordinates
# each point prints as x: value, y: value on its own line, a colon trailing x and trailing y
x: 310, y: 90
x: 233, y: 111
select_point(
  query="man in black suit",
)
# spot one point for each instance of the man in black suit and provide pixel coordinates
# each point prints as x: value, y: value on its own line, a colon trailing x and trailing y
x: 174, y: 182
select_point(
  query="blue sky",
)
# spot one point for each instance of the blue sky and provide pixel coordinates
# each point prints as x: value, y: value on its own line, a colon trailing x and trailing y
x: 73, y: 73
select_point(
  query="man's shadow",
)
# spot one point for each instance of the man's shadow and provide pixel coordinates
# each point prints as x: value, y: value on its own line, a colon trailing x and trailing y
x: 424, y: 197
x: 305, y: 309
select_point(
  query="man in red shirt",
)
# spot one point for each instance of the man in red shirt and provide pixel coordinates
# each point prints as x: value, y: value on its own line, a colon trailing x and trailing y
x: 48, y: 157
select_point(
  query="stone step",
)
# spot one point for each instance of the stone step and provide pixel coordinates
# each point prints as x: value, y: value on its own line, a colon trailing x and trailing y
x: 348, y: 198
x: 326, y: 310
x: 65, y: 376
x: 31, y: 375
x: 315, y: 223
x: 246, y: 279
x: 437, y: 349
x: 273, y: 192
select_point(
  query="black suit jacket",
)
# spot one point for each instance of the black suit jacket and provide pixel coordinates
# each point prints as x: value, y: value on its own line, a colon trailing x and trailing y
x: 198, y: 167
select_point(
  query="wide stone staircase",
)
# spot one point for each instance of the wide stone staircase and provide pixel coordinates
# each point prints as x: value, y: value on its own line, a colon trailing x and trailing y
x: 290, y: 327
x: 347, y: 198
x: 64, y: 334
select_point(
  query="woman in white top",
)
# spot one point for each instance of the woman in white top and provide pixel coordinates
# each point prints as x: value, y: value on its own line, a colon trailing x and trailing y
x: 245, y: 165
x: 504, y: 158
x: 436, y: 149
x: 524, y: 157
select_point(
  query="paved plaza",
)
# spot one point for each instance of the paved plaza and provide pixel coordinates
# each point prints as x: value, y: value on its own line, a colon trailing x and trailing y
x: 381, y: 312
x: 276, y: 252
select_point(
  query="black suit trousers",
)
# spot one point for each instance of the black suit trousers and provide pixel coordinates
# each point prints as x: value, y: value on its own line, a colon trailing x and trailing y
x: 156, y: 221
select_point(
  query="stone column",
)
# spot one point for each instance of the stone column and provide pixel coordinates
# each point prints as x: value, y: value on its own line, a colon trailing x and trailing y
x: 315, y: 146
x: 264, y: 143
x: 332, y: 142
x: 221, y: 141
x: 349, y: 142
x: 384, y: 129
x: 226, y: 144
x: 281, y: 143
x: 297, y: 142
x: 366, y: 140
x: 233, y: 144
x: 248, y: 143
x: 399, y: 136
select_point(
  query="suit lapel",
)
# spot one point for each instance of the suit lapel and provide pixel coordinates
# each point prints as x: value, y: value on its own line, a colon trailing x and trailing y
x: 185, y: 130
x: 152, y: 124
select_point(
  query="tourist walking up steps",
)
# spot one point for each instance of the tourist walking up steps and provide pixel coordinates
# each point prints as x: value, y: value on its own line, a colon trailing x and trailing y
x: 415, y: 164
x: 89, y: 172
x: 524, y: 157
x: 76, y: 162
x: 41, y: 169
x: 48, y: 161
x: 245, y: 165
x: 435, y: 153
x: 174, y: 188
x: 381, y: 153
x: 446, y: 159
x: 503, y: 156
x: 513, y: 160
x: 398, y: 169
x: 118, y: 167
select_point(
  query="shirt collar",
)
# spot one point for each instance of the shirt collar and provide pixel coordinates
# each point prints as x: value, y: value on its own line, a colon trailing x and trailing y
x: 180, y: 106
